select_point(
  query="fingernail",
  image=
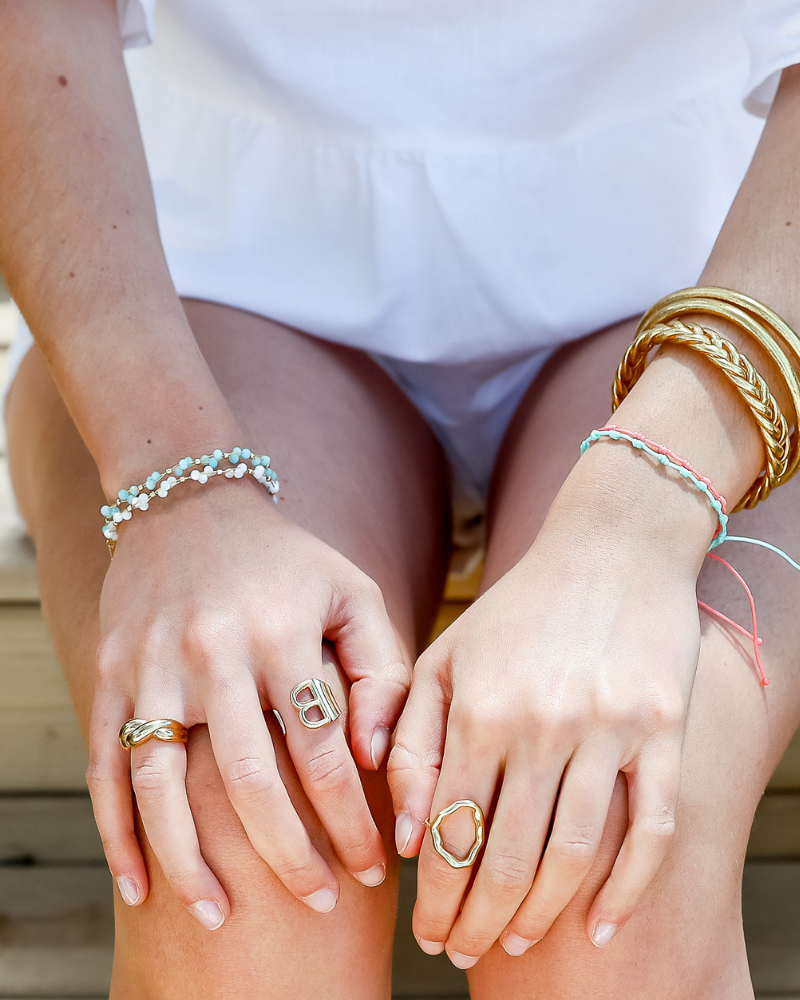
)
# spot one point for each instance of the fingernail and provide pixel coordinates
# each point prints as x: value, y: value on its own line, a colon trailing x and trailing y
x: 380, y: 744
x: 514, y: 945
x: 128, y: 889
x: 462, y: 961
x: 208, y: 913
x: 403, y: 829
x: 323, y: 900
x: 430, y: 947
x: 602, y: 934
x: 372, y: 876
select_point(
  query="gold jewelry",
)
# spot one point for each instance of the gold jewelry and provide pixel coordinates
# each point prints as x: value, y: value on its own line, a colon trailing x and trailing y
x: 436, y: 836
x: 138, y: 731
x: 760, y: 322
x: 321, y: 697
x: 740, y: 372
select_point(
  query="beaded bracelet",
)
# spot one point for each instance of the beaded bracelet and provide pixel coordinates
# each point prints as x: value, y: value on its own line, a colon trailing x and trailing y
x: 159, y: 484
x: 671, y: 461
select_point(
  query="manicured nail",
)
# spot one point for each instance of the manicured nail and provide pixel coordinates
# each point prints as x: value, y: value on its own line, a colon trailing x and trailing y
x: 129, y: 890
x: 602, y: 934
x: 208, y: 913
x: 380, y: 744
x: 462, y: 961
x: 514, y: 945
x: 403, y: 829
x: 372, y: 876
x: 430, y: 947
x: 323, y: 900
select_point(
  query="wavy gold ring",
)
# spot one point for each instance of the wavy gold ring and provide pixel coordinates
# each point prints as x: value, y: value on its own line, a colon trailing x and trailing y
x: 138, y: 731
x: 477, y: 843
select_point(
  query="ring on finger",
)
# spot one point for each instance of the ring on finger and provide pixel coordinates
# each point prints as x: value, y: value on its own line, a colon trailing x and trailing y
x: 137, y: 731
x: 321, y: 697
x: 434, y: 826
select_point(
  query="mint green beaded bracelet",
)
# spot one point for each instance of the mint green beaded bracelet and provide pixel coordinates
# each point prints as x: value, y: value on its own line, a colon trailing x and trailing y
x: 670, y: 461
x: 159, y: 484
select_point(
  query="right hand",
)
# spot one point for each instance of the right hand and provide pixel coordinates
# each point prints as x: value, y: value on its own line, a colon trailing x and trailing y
x: 214, y: 608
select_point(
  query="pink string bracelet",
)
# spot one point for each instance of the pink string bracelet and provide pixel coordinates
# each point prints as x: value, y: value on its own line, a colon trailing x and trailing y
x: 669, y: 459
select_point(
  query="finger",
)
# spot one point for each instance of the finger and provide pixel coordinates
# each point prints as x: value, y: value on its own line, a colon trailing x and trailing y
x: 580, y: 818
x: 325, y: 765
x: 652, y: 800
x: 416, y: 757
x: 158, y: 775
x: 246, y: 760
x: 373, y: 662
x: 507, y: 868
x: 440, y: 887
x: 109, y: 779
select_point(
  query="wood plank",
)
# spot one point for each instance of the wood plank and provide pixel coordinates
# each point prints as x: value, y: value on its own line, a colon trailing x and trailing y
x: 54, y: 830
x: 771, y: 904
x: 416, y: 974
x: 776, y: 828
x: 56, y: 931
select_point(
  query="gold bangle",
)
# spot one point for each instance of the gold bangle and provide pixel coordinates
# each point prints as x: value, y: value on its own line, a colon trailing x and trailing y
x: 742, y: 375
x: 760, y: 322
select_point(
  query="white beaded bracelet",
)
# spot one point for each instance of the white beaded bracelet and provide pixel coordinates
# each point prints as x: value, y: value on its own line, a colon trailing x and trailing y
x: 159, y: 484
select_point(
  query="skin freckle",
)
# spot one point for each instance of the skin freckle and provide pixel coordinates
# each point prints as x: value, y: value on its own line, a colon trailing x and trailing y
x: 788, y: 223
x: 113, y: 225
x: 72, y: 274
x: 63, y: 81
x: 149, y: 441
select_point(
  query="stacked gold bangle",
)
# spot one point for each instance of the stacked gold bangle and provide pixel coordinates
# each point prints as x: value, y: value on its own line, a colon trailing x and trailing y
x: 664, y: 324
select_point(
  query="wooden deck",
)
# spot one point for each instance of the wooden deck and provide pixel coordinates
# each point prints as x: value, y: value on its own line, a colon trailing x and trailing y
x: 56, y: 930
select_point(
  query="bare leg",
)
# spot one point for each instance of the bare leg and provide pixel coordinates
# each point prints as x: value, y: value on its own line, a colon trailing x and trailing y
x: 686, y: 939
x: 347, y: 439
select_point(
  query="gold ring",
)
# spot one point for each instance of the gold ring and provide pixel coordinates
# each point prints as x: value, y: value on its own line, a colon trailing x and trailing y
x: 321, y: 698
x: 436, y: 836
x: 138, y: 731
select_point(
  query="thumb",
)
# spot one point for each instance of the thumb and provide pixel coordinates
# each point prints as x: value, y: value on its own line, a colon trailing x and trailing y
x: 379, y: 674
x: 416, y: 757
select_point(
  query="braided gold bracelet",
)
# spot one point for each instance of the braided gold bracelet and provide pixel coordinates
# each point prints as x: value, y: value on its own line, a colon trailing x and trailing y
x: 755, y: 319
x: 742, y: 375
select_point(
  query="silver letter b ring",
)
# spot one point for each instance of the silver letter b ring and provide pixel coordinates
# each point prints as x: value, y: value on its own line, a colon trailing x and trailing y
x: 321, y: 698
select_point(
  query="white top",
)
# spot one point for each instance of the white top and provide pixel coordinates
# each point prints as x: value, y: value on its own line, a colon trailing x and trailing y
x: 449, y: 180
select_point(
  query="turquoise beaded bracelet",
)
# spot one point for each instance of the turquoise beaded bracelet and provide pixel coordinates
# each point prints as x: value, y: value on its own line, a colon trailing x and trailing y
x: 159, y: 484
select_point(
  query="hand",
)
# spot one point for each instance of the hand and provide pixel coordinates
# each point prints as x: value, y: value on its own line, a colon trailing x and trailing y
x: 578, y: 664
x: 214, y: 608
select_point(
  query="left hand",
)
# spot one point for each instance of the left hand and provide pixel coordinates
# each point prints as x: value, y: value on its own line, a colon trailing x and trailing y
x: 575, y: 666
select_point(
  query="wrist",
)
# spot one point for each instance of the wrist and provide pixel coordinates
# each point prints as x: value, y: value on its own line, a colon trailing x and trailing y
x: 619, y: 501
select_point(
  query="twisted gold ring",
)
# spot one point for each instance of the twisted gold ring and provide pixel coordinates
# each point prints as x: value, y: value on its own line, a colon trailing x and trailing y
x: 138, y: 731
x: 480, y: 829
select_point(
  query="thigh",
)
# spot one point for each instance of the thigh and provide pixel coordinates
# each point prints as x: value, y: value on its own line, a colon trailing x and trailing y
x: 360, y: 469
x: 686, y: 938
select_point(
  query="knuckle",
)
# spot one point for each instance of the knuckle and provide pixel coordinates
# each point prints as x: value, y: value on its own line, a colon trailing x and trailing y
x: 247, y: 778
x: 666, y: 711
x: 661, y: 826
x: 149, y: 778
x: 328, y: 770
x: 472, y: 943
x: 98, y: 777
x: 508, y: 874
x: 296, y: 872
x: 576, y: 851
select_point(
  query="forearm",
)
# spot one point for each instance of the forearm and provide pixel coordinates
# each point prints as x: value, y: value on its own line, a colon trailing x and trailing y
x: 80, y: 249
x: 682, y: 401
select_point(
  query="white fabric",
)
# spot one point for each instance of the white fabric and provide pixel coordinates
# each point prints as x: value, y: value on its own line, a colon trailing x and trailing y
x: 773, y: 32
x: 445, y: 183
x: 136, y: 22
